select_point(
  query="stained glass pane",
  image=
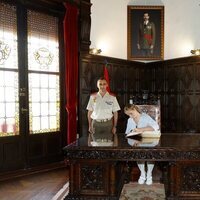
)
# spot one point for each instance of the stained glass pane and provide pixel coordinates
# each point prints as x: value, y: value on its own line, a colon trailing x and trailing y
x: 10, y: 109
x: 52, y: 108
x: 35, y: 80
x: 44, y: 95
x: 52, y: 93
x: 53, y: 122
x: 2, y: 96
x: 2, y: 110
x: 52, y: 82
x: 43, y: 59
x: 43, y: 45
x: 44, y: 80
x: 45, y: 123
x: 9, y: 104
x: 9, y: 93
x: 35, y: 109
x: 35, y: 95
x: 35, y: 123
x: 8, y: 37
x: 44, y: 110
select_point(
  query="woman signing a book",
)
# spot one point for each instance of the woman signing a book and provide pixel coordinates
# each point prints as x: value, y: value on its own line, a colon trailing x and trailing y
x: 139, y: 122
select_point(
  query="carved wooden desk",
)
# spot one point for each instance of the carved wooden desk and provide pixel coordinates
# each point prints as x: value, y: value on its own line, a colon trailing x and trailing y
x: 99, y: 172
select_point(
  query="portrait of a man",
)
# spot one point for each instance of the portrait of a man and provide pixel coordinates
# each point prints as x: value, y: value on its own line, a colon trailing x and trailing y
x: 146, y: 36
x: 145, y: 32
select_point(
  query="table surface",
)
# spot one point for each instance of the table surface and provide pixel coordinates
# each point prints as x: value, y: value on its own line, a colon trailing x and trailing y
x: 178, y: 141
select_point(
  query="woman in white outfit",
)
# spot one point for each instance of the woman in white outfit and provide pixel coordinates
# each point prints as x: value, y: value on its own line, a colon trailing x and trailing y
x: 140, y: 122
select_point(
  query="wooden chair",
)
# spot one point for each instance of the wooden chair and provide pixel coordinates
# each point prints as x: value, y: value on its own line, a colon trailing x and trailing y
x: 149, y: 104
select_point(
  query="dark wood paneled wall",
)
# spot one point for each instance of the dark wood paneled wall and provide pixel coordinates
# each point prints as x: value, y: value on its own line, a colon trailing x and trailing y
x: 125, y: 80
x: 176, y: 81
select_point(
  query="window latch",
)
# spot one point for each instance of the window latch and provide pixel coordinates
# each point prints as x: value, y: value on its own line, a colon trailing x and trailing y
x: 24, y: 110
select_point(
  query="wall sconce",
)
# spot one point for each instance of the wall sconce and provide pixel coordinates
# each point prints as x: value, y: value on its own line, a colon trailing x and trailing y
x: 95, y: 51
x: 195, y: 52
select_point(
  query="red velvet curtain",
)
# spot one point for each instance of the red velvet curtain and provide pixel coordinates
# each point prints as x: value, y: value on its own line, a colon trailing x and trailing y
x: 71, y: 68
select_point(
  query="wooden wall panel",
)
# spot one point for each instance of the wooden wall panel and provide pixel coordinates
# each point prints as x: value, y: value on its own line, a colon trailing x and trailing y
x: 11, y: 154
x: 124, y: 82
x: 44, y: 149
x: 177, y: 82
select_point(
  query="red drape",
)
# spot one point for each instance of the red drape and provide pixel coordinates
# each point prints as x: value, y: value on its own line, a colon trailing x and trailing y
x: 106, y: 76
x: 71, y: 68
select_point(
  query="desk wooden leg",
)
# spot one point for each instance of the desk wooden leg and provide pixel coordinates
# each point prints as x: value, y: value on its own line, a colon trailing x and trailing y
x: 71, y: 178
x: 172, y: 180
x: 113, y: 179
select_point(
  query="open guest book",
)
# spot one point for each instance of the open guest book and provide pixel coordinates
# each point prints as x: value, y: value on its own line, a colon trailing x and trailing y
x: 145, y: 134
x: 102, y: 143
x: 144, y: 142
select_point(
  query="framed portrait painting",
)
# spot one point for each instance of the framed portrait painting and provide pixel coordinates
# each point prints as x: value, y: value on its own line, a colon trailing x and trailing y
x: 145, y: 33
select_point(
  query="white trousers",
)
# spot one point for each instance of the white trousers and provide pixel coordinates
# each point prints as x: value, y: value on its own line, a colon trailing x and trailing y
x: 143, y: 173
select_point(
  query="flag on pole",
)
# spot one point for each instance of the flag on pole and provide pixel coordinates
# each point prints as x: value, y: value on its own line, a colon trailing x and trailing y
x: 106, y: 76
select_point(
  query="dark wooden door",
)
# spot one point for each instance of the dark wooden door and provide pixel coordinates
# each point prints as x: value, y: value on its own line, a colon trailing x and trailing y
x: 31, y: 86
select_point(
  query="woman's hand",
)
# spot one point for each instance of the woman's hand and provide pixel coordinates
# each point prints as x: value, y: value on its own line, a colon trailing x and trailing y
x: 138, y: 130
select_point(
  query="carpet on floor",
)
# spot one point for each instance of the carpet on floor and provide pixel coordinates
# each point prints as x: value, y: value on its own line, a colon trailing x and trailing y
x: 134, y: 191
x: 130, y: 191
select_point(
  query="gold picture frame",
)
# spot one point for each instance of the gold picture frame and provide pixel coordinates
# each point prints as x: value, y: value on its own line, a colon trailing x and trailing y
x: 145, y: 40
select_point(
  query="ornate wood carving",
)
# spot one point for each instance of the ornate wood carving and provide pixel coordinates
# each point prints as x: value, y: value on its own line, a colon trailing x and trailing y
x: 92, y: 177
x: 190, y: 178
x: 136, y: 155
x: 144, y: 98
x: 126, y: 153
x: 95, y: 180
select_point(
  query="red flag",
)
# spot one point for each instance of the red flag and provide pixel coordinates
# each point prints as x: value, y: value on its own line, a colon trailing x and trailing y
x: 106, y: 76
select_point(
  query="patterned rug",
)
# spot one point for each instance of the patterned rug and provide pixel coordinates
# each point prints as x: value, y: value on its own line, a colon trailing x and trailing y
x: 130, y: 191
x: 134, y: 191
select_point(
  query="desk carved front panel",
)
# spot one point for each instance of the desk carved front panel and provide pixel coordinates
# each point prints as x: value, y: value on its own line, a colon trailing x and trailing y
x: 92, y: 177
x: 189, y: 179
x: 95, y: 179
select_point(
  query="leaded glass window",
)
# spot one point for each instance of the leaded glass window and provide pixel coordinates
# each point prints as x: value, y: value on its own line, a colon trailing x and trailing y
x: 44, y: 103
x: 43, y: 70
x: 9, y: 100
x: 43, y: 46
x: 39, y: 67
